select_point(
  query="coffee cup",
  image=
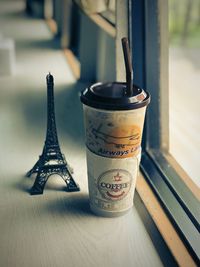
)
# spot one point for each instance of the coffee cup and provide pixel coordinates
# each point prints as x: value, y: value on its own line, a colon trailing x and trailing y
x: 113, y: 130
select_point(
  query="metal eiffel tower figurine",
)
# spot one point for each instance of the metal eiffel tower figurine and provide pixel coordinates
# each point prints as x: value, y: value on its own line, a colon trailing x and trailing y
x: 52, y: 161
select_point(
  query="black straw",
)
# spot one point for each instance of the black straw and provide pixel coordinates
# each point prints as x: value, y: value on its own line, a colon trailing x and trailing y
x: 128, y: 66
x: 49, y: 77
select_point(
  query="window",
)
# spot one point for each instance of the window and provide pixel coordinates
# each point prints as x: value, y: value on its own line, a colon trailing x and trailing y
x: 184, y: 80
x: 166, y: 177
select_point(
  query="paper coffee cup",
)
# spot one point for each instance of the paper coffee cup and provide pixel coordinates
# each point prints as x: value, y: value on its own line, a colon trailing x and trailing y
x: 113, y: 127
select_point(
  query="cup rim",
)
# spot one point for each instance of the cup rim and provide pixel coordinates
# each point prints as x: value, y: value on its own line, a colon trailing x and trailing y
x: 95, y: 100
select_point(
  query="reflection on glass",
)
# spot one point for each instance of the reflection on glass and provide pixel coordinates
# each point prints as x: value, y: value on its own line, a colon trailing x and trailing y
x: 109, y: 14
x: 184, y: 84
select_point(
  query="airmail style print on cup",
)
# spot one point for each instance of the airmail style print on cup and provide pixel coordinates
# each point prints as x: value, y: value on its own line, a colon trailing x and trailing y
x: 115, y: 134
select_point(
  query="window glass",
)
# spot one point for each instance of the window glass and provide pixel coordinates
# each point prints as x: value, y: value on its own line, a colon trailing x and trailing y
x: 109, y: 14
x: 184, y: 85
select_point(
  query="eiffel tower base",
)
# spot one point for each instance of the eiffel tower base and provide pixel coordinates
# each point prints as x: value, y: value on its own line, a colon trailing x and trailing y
x: 35, y: 169
x: 45, y: 171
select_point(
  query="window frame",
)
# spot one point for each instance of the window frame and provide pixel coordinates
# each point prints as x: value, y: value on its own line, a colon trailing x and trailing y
x: 149, y: 35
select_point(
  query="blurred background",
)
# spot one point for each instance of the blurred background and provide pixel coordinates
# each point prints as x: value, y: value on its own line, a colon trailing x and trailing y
x: 85, y: 32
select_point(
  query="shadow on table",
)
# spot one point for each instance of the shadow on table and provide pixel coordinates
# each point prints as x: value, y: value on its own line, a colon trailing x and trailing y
x: 54, y: 183
x: 23, y: 183
x: 75, y: 204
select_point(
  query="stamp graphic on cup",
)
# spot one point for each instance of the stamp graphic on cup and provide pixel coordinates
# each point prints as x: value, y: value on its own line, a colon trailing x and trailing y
x: 114, y: 184
x: 114, y: 135
x: 116, y: 141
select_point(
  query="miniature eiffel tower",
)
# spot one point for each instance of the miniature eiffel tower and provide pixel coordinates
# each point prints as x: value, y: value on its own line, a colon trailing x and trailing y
x: 52, y: 161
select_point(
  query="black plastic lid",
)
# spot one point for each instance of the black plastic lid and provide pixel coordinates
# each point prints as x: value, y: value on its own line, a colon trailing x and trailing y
x: 112, y: 96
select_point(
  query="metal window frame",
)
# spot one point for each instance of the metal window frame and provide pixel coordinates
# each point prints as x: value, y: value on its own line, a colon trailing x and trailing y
x: 149, y: 36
